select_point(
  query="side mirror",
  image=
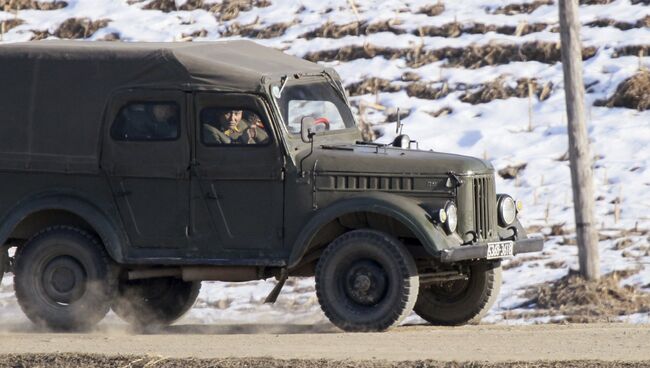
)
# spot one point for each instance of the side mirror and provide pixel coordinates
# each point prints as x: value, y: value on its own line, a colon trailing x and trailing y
x: 306, y: 125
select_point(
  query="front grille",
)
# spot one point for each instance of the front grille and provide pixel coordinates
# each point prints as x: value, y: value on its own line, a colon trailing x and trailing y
x: 484, y: 207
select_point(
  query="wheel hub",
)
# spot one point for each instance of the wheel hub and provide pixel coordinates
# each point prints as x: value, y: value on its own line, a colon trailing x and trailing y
x: 366, y: 282
x: 64, y: 280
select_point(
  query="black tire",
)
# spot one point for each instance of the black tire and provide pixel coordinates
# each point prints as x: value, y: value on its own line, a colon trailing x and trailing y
x: 4, y: 262
x: 366, y: 280
x: 460, y: 302
x: 155, y: 302
x: 64, y: 279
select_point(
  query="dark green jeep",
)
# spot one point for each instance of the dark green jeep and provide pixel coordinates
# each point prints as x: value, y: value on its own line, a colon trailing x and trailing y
x: 131, y: 172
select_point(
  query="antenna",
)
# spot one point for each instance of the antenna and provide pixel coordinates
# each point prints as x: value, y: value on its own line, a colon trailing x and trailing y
x: 398, y: 127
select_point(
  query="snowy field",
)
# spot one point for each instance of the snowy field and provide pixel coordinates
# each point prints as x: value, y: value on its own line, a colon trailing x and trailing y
x: 412, y: 48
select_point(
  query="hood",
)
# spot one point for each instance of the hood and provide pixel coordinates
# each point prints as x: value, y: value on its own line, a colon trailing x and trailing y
x: 389, y: 160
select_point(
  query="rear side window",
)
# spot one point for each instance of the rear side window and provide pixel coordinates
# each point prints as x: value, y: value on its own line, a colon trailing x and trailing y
x: 147, y: 121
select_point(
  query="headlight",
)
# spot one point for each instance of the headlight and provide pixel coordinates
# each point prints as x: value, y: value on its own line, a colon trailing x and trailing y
x: 452, y: 217
x: 507, y: 210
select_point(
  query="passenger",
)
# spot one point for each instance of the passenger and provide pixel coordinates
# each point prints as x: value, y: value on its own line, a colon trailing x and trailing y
x: 165, y: 121
x: 231, y: 127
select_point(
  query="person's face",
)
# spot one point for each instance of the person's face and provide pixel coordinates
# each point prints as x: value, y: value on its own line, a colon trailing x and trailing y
x: 163, y: 112
x: 231, y: 118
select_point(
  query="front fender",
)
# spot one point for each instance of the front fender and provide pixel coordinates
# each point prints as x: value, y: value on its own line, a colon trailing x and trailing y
x: 111, y: 237
x: 405, y: 210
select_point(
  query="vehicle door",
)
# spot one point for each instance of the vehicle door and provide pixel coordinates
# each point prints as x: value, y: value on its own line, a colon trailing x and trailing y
x: 240, y: 171
x: 146, y: 157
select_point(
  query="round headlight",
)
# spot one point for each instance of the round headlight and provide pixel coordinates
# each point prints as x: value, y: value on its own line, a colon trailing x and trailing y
x: 507, y: 210
x: 452, y: 217
x: 402, y: 141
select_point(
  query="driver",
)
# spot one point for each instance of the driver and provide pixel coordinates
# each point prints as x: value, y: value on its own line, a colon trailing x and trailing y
x: 235, y: 127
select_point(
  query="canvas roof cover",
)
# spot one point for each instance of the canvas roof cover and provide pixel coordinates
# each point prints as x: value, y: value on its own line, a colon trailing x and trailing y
x: 54, y: 93
x: 226, y: 65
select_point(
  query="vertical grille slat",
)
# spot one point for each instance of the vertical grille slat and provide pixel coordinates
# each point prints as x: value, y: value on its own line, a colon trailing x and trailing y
x: 484, y: 207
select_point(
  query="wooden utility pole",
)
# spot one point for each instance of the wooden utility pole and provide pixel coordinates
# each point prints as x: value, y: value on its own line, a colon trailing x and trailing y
x: 579, y: 152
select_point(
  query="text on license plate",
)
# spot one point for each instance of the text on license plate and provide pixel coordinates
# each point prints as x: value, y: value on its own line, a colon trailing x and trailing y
x: 499, y: 249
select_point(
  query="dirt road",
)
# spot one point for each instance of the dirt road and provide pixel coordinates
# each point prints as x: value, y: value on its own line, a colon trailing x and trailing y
x: 470, y: 343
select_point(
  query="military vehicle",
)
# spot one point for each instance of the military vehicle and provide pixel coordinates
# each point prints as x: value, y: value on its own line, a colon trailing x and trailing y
x: 131, y: 172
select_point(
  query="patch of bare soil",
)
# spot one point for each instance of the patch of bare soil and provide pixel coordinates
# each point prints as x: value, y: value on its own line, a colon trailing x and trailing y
x: 79, y: 27
x: 455, y: 29
x: 225, y: 11
x: 8, y: 24
x: 499, y: 90
x: 68, y: 360
x: 624, y: 26
x: 643, y: 2
x: 583, y: 301
x: 471, y: 57
x: 427, y: 91
x: 511, y: 171
x: 372, y: 86
x: 433, y: 9
x: 633, y: 93
x: 631, y: 50
x: 9, y: 5
x: 521, y: 8
x: 595, y: 2
x: 255, y: 31
x: 333, y: 30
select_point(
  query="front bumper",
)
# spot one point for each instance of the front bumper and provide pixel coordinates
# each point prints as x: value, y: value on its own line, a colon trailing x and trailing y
x: 479, y: 251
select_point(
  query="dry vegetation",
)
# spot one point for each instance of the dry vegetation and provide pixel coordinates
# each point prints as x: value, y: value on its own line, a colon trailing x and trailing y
x: 13, y: 5
x: 75, y: 28
x: 498, y: 90
x: 633, y: 93
x: 511, y: 172
x: 432, y: 10
x: 333, y: 30
x: 521, y: 8
x: 69, y: 360
x: 631, y: 50
x: 471, y: 57
x: 225, y: 11
x: 581, y: 301
x: 8, y: 24
x: 256, y: 30
x: 624, y: 26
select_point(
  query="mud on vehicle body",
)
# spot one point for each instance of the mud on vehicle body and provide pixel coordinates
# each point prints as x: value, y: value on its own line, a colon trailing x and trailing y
x: 115, y: 196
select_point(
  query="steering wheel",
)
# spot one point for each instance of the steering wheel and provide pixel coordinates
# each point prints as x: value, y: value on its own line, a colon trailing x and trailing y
x: 324, y: 121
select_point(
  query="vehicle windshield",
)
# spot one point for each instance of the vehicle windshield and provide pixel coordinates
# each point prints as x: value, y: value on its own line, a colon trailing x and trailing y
x: 318, y: 100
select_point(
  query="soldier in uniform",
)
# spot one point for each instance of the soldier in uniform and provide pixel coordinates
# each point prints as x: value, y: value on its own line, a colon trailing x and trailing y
x: 231, y: 127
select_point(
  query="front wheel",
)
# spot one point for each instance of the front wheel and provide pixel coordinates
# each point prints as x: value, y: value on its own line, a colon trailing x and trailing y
x: 155, y: 302
x: 453, y: 303
x: 366, y: 280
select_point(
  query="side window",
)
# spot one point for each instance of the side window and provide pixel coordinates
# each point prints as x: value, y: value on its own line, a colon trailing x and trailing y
x: 147, y: 121
x: 231, y: 126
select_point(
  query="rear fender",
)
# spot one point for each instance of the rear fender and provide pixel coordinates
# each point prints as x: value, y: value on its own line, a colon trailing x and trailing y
x: 109, y: 233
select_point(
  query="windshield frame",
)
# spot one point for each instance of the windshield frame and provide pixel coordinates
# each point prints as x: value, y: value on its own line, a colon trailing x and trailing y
x: 311, y: 79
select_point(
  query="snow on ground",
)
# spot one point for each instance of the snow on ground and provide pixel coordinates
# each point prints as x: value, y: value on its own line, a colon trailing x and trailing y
x: 505, y: 131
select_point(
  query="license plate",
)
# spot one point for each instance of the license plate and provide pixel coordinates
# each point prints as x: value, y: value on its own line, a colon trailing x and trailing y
x: 499, y: 249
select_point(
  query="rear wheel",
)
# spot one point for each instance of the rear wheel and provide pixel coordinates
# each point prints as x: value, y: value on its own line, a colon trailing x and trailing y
x: 366, y: 280
x: 155, y: 302
x: 463, y: 301
x: 64, y: 279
